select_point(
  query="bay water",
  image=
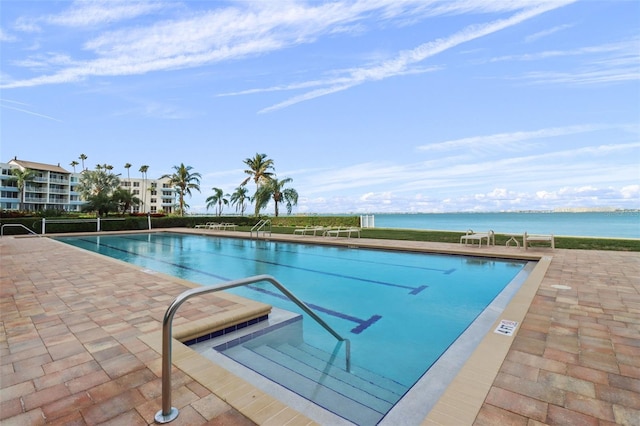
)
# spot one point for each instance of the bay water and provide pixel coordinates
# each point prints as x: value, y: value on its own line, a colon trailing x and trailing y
x: 615, y: 224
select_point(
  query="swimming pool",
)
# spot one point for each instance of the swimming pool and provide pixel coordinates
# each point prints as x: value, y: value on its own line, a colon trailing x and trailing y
x: 401, y: 310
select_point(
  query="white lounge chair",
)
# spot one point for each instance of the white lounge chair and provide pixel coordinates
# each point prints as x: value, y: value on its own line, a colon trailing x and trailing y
x: 309, y: 230
x: 528, y: 239
x: 342, y: 231
x: 471, y: 236
x: 204, y: 225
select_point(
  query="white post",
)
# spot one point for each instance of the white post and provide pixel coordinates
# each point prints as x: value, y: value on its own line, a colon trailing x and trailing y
x: 44, y: 225
x: 149, y: 220
x: 98, y: 222
x: 366, y: 221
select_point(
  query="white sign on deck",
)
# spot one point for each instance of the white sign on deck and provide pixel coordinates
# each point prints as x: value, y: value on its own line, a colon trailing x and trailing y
x: 506, y: 327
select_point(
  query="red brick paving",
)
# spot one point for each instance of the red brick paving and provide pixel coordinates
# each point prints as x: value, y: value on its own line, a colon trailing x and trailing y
x: 70, y: 353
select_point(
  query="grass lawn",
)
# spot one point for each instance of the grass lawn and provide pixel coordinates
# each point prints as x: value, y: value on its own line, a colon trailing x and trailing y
x: 582, y: 243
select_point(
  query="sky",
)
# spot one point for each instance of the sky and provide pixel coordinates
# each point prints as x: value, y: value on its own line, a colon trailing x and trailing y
x: 373, y: 106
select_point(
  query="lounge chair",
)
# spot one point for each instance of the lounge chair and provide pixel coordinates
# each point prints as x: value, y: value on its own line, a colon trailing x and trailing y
x: 528, y: 239
x: 342, y: 231
x: 308, y: 230
x: 473, y: 236
x: 204, y: 225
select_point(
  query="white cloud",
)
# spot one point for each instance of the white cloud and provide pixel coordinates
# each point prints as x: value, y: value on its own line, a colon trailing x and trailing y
x: 505, y: 141
x: 243, y: 30
x: 401, y: 63
x: 606, y: 63
x: 6, y: 37
x: 83, y: 13
x: 21, y: 107
x: 547, y: 32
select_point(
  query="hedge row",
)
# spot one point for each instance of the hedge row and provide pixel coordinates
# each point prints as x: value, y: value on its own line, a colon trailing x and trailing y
x: 128, y: 223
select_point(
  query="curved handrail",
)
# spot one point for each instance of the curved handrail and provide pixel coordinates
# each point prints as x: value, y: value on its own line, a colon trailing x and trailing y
x: 15, y: 224
x: 169, y: 413
x: 259, y: 226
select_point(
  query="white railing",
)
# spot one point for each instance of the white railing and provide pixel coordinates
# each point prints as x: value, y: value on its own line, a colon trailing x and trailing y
x: 169, y: 413
x: 264, y: 226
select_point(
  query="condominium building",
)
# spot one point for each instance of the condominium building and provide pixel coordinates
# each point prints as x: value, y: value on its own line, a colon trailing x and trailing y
x: 155, y: 195
x: 54, y: 188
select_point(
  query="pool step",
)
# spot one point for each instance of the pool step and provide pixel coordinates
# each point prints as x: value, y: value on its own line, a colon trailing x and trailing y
x: 359, y: 396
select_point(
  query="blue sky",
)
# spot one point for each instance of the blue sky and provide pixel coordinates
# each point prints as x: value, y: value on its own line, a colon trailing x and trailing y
x: 369, y: 106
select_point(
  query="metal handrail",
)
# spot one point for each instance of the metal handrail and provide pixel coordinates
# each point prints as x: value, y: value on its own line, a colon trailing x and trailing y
x: 258, y: 226
x: 169, y: 413
x: 15, y: 224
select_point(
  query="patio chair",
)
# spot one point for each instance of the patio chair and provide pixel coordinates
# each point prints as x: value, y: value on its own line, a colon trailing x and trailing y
x: 471, y: 236
x: 528, y: 239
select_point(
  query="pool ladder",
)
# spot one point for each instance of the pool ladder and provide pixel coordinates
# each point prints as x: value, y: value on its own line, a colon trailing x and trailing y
x: 264, y: 225
x: 18, y: 225
x: 169, y: 413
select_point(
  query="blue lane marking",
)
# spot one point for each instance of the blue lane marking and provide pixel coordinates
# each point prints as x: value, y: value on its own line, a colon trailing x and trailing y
x: 418, y: 289
x: 362, y: 324
x: 177, y: 265
x: 361, y: 260
x: 414, y: 290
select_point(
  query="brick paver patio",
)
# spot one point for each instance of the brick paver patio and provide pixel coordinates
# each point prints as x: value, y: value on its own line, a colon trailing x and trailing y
x: 71, y: 353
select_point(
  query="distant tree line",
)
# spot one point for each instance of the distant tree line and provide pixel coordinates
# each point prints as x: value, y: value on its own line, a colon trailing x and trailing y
x: 100, y: 188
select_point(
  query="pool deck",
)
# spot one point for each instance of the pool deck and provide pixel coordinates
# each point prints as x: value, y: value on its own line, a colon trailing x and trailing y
x: 80, y: 344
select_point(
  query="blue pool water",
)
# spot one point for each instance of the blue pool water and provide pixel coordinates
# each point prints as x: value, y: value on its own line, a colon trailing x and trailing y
x: 400, y: 310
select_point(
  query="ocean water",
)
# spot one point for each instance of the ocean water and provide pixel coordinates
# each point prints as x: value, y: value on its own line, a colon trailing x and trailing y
x: 589, y: 224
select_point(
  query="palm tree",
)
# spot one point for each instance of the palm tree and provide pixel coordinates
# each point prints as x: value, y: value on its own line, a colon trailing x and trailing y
x: 22, y: 176
x: 97, y: 188
x: 83, y: 157
x: 238, y: 199
x: 217, y: 199
x: 184, y: 181
x: 125, y: 199
x: 258, y: 170
x: 143, y: 170
x: 73, y: 164
x: 128, y: 166
x: 273, y: 188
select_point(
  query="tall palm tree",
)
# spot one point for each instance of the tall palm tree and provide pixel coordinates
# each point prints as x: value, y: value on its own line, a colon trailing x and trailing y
x: 22, y: 176
x: 128, y: 166
x: 238, y: 199
x: 217, y: 200
x: 96, y: 187
x: 82, y: 158
x: 143, y: 170
x: 259, y: 171
x: 184, y: 181
x: 274, y: 189
x: 125, y: 200
x: 73, y: 164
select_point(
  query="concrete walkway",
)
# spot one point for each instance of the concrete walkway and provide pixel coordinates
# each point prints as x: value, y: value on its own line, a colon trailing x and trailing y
x: 72, y: 348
